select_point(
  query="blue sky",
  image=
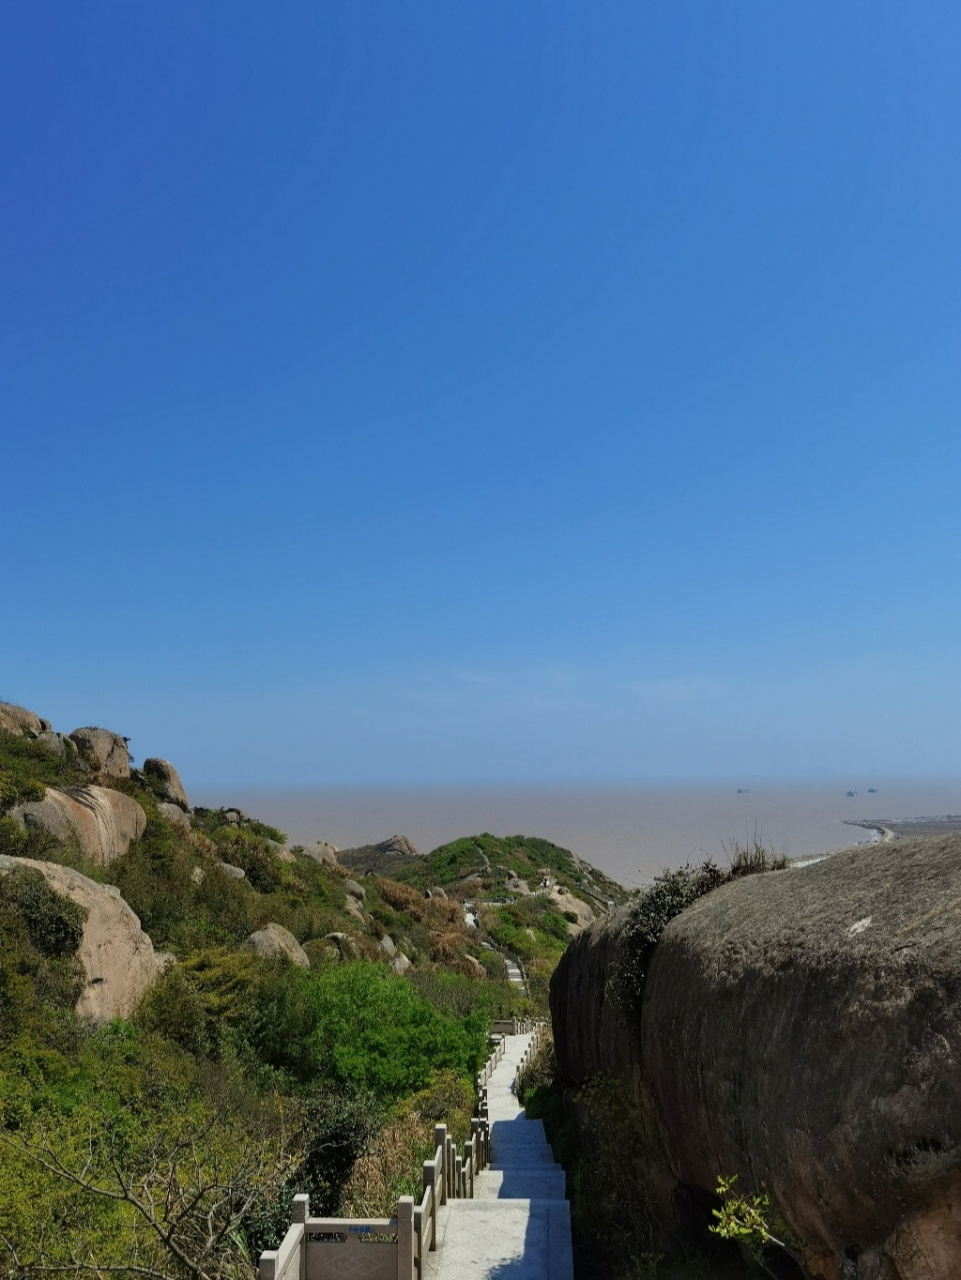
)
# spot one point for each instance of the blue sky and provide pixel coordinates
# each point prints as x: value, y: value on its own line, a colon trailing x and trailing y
x: 484, y: 392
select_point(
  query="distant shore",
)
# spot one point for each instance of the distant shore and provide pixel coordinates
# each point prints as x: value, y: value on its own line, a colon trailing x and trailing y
x: 888, y: 829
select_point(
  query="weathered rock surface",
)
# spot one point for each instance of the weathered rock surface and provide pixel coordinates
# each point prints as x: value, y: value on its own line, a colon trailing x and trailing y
x: 275, y: 940
x: 117, y: 956
x: 103, y: 751
x: 173, y: 813
x: 163, y: 772
x: 103, y: 821
x: 20, y: 721
x: 388, y: 945
x: 345, y: 944
x: 400, y: 963
x: 516, y: 885
x: 399, y: 845
x: 803, y: 1028
x: 353, y: 908
x: 235, y: 873
x: 355, y: 890
x: 590, y: 1034
x: 321, y: 852
x: 59, y: 743
x: 565, y: 901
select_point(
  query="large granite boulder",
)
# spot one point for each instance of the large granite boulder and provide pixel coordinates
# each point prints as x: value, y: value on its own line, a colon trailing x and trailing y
x: 274, y: 940
x: 21, y: 722
x: 167, y: 779
x: 591, y: 1034
x: 104, y: 752
x: 117, y: 956
x: 803, y: 1029
x: 104, y: 822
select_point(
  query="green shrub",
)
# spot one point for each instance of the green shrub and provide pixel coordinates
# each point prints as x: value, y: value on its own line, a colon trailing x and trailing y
x: 359, y: 1023
x: 652, y: 910
x: 54, y: 924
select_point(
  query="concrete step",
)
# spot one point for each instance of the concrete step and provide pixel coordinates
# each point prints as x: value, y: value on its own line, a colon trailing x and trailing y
x: 521, y: 1184
x: 493, y: 1239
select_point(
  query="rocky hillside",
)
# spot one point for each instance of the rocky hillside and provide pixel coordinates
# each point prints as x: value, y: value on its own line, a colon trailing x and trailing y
x: 800, y: 1030
x: 177, y: 979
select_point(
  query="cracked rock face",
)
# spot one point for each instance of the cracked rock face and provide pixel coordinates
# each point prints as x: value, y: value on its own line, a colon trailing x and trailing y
x: 803, y: 1028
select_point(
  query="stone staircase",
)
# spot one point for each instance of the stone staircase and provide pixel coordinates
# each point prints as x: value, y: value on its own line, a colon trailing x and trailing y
x: 517, y: 1226
x: 494, y: 1211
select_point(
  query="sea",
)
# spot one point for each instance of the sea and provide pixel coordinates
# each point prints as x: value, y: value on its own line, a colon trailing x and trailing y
x: 631, y: 832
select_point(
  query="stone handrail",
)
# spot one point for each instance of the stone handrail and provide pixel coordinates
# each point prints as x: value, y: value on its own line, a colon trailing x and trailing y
x: 323, y: 1248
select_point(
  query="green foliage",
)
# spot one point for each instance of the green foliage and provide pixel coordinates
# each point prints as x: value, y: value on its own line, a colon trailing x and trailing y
x: 40, y: 978
x: 54, y: 924
x: 27, y: 766
x: 492, y: 856
x: 652, y: 910
x: 461, y: 997
x: 17, y: 790
x: 650, y: 913
x: 211, y: 823
x: 741, y: 1217
x: 359, y: 1023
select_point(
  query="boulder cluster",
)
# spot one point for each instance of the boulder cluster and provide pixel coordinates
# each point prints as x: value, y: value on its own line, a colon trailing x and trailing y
x: 102, y: 821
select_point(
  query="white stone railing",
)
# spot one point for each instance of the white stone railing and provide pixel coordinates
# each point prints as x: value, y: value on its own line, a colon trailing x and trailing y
x: 393, y: 1248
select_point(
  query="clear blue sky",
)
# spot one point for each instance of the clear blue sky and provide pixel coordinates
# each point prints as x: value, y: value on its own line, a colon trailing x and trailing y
x: 423, y: 392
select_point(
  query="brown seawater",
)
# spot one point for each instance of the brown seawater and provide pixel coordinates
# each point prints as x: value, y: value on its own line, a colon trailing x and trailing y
x: 630, y: 832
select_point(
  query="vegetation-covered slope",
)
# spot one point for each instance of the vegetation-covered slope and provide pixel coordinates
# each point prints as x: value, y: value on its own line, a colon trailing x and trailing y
x: 243, y: 1077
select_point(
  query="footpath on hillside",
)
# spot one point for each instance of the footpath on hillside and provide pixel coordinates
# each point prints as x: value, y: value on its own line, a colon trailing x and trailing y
x: 518, y: 1226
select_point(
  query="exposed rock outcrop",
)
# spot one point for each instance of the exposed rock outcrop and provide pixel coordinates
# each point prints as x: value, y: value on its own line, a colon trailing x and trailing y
x: 167, y: 780
x: 355, y: 890
x: 173, y: 813
x: 20, y: 721
x: 803, y: 1029
x: 275, y: 940
x: 59, y: 743
x: 117, y: 956
x: 102, y: 751
x: 321, y: 852
x: 400, y: 845
x: 568, y: 904
x: 104, y: 822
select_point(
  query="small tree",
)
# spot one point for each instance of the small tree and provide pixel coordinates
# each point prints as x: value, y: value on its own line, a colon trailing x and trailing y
x: 181, y: 1192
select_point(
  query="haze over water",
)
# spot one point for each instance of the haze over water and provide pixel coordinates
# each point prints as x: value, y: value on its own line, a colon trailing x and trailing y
x: 630, y: 832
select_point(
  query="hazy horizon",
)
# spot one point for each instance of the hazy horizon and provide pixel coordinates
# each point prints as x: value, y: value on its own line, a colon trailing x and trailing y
x: 630, y: 832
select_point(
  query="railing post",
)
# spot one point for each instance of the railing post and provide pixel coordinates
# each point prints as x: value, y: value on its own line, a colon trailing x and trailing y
x: 430, y: 1180
x: 440, y: 1140
x: 449, y: 1166
x: 468, y: 1167
x: 405, y: 1238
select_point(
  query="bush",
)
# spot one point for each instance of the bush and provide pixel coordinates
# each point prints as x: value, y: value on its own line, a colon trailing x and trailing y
x: 360, y: 1024
x: 53, y: 923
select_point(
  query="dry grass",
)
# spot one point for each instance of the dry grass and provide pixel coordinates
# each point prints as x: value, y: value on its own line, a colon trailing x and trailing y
x: 392, y: 1166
